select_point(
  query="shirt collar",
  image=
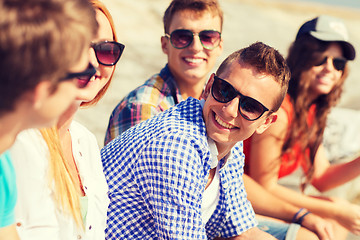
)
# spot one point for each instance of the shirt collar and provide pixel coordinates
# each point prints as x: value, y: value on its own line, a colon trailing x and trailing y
x: 167, y: 76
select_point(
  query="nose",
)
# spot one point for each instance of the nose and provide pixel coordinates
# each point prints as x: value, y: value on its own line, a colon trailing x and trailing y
x: 231, y: 108
x: 92, y: 58
x: 329, y: 66
x: 196, y: 43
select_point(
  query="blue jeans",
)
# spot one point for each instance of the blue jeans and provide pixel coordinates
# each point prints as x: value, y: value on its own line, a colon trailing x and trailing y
x: 279, y: 230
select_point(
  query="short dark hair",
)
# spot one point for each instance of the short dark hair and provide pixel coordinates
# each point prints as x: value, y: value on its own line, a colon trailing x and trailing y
x: 264, y: 59
x: 40, y: 40
x: 198, y: 6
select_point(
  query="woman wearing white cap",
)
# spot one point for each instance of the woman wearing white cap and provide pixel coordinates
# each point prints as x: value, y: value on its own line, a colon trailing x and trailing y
x: 318, y: 63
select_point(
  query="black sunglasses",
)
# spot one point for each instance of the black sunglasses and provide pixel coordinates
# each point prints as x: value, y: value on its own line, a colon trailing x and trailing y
x: 182, y: 38
x: 224, y: 92
x: 338, y: 63
x: 108, y: 53
x: 81, y: 79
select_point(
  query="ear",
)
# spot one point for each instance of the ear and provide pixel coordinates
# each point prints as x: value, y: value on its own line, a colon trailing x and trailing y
x: 207, y: 90
x: 269, y: 120
x: 41, y: 93
x: 165, y: 44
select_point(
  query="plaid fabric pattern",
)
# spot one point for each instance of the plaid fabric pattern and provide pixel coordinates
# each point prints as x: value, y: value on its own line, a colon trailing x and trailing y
x: 157, y: 172
x: 154, y: 96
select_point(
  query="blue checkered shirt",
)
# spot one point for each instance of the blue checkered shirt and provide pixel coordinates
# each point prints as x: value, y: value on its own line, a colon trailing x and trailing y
x: 157, y: 172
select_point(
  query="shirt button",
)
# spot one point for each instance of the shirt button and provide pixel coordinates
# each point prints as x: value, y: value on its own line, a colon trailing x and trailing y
x: 18, y: 224
x: 90, y: 227
x: 79, y: 237
x: 80, y: 154
x: 225, y: 185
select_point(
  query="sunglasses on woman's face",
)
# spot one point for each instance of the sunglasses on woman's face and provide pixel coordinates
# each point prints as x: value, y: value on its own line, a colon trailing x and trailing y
x: 182, y: 38
x: 81, y: 79
x: 224, y: 92
x: 108, y: 53
x: 338, y: 63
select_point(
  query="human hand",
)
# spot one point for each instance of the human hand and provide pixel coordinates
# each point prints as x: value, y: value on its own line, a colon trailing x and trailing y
x: 348, y: 215
x: 322, y: 228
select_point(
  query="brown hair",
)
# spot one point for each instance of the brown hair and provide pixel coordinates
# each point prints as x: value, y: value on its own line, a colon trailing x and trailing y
x: 197, y: 6
x: 264, y: 59
x: 40, y: 40
x: 300, y: 59
x: 97, y: 5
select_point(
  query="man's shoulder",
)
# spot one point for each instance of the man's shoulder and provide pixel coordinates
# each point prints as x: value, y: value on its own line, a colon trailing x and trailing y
x: 155, y: 86
x: 183, y: 117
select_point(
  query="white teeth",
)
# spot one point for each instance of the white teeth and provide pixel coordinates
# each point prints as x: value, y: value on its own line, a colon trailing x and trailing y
x: 92, y: 79
x: 222, y: 123
x: 194, y: 60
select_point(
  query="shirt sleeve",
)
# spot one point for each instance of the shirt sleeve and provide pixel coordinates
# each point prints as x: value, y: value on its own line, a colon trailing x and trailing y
x: 126, y: 115
x: 8, y: 192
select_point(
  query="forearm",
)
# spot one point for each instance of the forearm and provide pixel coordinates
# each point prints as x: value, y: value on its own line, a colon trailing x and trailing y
x: 318, y: 206
x: 344, y: 173
x: 273, y: 206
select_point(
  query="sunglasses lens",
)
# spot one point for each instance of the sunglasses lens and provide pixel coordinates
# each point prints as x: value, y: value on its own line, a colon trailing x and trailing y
x: 181, y: 38
x: 108, y: 53
x: 222, y: 91
x: 339, y: 64
x: 210, y: 39
x: 250, y: 108
x: 320, y: 62
x: 82, y: 81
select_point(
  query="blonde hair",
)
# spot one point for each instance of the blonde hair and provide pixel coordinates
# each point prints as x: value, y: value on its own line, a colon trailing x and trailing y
x: 65, y: 193
x: 64, y: 186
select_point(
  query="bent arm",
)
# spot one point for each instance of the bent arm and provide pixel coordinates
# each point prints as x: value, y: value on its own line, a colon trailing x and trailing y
x: 265, y: 163
x: 273, y: 206
x: 323, y: 178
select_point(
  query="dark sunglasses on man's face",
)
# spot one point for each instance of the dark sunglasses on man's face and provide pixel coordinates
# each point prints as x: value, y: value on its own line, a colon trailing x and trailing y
x: 81, y: 79
x: 108, y: 53
x: 182, y: 38
x: 224, y: 92
x: 338, y: 63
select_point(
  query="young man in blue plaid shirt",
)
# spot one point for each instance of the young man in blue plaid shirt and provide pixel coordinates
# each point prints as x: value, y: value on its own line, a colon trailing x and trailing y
x: 179, y: 174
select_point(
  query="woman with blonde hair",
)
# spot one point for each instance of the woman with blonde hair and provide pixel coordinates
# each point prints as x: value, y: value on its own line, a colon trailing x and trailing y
x: 62, y: 190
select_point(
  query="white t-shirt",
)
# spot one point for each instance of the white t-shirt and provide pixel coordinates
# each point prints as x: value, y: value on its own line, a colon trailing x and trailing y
x: 37, y: 216
x: 212, y: 192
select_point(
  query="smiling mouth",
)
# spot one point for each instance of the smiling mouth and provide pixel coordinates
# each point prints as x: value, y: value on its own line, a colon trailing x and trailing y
x: 194, y: 60
x: 222, y: 123
x: 95, y: 77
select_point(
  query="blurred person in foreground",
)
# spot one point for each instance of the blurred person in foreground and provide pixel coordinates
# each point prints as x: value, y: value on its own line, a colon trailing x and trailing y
x: 43, y: 44
x: 62, y: 188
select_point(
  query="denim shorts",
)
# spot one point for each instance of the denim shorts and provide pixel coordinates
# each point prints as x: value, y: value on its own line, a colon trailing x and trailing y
x: 279, y: 230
